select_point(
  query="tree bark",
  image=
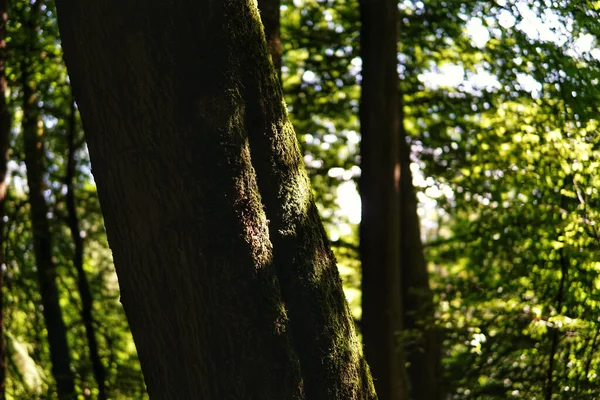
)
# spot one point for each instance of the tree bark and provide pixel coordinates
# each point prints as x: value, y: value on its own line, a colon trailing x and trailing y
x: 227, y: 280
x: 5, y: 122
x: 87, y: 303
x: 32, y: 129
x: 423, y: 355
x: 296, y: 248
x: 270, y: 16
x: 379, y: 187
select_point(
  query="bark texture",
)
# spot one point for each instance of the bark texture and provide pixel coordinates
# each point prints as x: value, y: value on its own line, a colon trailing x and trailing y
x: 423, y: 354
x: 32, y: 130
x: 5, y: 122
x: 310, y: 283
x: 83, y: 286
x: 226, y: 276
x: 306, y: 267
x: 379, y: 187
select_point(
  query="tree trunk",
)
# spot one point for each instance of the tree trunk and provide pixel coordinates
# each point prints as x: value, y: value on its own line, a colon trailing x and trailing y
x: 5, y: 122
x: 227, y: 280
x: 32, y: 130
x: 270, y: 16
x: 46, y: 270
x: 303, y: 294
x: 423, y: 355
x: 82, y: 281
x: 379, y: 186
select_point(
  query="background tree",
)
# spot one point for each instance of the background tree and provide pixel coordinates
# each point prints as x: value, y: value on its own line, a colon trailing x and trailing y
x: 33, y: 133
x: 83, y: 284
x: 379, y: 187
x: 421, y: 337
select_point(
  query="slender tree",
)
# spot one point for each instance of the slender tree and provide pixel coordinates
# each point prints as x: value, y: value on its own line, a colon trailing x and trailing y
x: 423, y: 351
x: 32, y: 130
x: 83, y: 285
x: 4, y: 145
x: 379, y: 187
x: 226, y: 275
x: 563, y: 286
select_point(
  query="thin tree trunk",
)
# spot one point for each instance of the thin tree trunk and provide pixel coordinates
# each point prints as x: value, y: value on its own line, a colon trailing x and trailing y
x: 423, y: 355
x: 270, y: 16
x: 4, y: 145
x: 82, y: 281
x: 190, y: 144
x: 379, y: 186
x: 554, y: 331
x: 32, y: 130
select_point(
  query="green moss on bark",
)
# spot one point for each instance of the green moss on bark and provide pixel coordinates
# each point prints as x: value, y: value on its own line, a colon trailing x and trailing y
x: 322, y: 329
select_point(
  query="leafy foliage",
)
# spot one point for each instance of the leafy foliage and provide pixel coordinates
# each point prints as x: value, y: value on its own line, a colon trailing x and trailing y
x: 512, y: 144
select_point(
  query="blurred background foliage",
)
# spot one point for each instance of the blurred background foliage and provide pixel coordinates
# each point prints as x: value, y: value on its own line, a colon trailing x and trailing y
x: 500, y: 100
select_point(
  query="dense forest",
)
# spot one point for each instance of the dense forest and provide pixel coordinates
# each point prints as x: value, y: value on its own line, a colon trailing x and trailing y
x: 435, y: 161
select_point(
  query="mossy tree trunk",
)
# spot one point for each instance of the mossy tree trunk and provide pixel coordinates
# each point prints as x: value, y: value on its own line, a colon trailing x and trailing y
x: 32, y: 131
x: 5, y: 122
x: 227, y: 279
x: 301, y: 244
x: 379, y: 187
